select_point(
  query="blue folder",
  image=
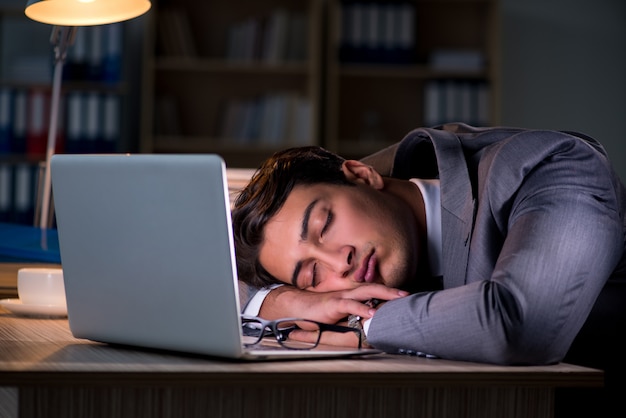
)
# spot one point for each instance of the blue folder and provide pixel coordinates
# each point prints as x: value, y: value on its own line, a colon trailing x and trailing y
x: 23, y: 243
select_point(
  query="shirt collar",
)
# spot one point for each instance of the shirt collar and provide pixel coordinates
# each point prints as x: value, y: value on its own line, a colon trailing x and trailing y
x: 432, y: 204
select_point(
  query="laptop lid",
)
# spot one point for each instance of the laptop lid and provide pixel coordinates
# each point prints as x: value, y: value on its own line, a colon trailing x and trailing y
x: 147, y: 252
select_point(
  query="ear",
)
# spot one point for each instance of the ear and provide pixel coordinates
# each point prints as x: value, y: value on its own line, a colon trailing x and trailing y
x: 358, y: 172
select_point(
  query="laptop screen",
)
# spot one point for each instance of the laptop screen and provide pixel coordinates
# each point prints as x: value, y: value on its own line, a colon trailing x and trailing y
x: 147, y: 251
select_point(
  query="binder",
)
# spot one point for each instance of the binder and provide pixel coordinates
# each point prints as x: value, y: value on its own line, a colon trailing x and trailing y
x: 6, y: 119
x: 22, y: 243
x: 24, y: 193
x: 20, y: 116
x: 6, y: 192
x: 37, y: 123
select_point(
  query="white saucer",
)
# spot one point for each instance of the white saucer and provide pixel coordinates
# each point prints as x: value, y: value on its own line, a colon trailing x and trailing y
x: 17, y: 307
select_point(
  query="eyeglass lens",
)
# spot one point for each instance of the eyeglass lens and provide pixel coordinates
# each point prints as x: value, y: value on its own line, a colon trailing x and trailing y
x: 284, y: 329
x: 281, y: 331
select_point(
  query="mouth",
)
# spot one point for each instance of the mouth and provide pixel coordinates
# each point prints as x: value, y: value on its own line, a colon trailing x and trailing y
x: 367, y: 270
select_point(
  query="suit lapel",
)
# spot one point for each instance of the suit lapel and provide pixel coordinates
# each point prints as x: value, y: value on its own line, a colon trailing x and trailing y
x: 408, y: 159
x: 457, y: 206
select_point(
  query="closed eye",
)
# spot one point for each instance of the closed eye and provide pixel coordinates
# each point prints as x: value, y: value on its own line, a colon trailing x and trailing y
x: 327, y: 223
x: 314, y: 275
x: 329, y: 220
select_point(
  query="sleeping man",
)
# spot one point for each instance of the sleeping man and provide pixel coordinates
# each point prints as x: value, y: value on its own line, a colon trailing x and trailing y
x: 478, y: 244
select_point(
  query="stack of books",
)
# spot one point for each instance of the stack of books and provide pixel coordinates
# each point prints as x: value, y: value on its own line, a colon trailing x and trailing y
x: 278, y: 38
x: 270, y: 120
x: 377, y: 32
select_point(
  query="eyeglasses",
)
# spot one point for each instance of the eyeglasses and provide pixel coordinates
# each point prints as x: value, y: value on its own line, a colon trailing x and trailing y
x: 259, y: 328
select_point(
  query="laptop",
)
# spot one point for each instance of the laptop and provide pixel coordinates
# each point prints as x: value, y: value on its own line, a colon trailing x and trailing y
x: 148, y: 257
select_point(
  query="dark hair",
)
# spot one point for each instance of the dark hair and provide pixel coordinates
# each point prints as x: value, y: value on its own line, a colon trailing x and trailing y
x: 266, y: 193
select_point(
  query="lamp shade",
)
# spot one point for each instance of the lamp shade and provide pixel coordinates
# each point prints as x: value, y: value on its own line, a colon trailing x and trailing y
x: 84, y: 12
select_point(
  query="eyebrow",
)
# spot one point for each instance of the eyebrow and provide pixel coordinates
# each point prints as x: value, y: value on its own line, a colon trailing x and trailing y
x: 304, y: 233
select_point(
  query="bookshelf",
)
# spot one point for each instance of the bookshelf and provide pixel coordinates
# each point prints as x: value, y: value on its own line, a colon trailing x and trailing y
x: 238, y: 78
x: 395, y: 66
x: 94, y: 114
x: 363, y: 94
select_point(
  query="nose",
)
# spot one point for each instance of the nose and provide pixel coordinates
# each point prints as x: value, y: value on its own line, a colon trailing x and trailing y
x: 339, y: 261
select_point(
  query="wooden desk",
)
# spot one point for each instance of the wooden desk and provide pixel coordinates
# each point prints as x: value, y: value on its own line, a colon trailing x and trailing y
x: 58, y: 375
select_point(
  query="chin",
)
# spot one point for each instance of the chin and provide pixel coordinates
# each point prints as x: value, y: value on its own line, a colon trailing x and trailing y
x: 397, y: 279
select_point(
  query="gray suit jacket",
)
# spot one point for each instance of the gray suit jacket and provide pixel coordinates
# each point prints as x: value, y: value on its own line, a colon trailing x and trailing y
x: 533, y: 225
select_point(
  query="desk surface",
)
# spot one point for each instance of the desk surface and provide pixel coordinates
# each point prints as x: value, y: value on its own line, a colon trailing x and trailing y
x: 36, y: 351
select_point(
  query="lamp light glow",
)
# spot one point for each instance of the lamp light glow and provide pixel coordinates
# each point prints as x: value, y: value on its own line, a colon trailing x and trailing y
x: 84, y: 12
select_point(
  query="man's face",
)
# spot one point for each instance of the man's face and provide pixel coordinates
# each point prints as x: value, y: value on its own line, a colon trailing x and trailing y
x: 332, y: 237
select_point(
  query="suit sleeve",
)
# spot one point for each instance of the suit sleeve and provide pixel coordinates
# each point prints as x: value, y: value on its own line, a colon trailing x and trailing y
x: 539, y: 255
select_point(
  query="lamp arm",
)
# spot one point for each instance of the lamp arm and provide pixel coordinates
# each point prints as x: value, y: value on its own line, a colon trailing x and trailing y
x: 62, y: 38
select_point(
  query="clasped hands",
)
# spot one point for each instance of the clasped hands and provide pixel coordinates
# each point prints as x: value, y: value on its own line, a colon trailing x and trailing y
x: 328, y: 307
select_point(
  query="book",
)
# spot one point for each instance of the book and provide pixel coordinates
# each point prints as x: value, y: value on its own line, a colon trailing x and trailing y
x: 167, y: 121
x: 174, y: 33
x: 183, y: 34
x: 296, y: 49
x: 456, y: 100
x: 6, y: 192
x: 24, y: 193
x: 111, y: 127
x: 76, y: 63
x: 432, y: 103
x: 377, y: 32
x: 74, y: 121
x: 37, y: 122
x: 20, y: 116
x: 92, y: 137
x: 406, y: 41
x: 300, y: 121
x: 6, y: 119
x: 275, y: 40
x: 113, y: 51
x: 95, y: 58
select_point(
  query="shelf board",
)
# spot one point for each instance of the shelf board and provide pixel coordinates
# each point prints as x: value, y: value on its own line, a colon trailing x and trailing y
x: 448, y: 2
x: 235, y: 155
x: 224, y: 66
x: 180, y: 143
x: 22, y: 158
x: 405, y: 71
x: 68, y: 85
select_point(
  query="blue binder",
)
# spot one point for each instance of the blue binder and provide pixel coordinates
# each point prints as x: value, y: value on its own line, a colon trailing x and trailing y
x: 23, y: 243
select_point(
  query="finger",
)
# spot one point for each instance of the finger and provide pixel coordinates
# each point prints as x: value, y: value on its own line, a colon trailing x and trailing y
x: 356, y: 307
x: 304, y: 336
x: 374, y: 291
x: 349, y: 339
x: 305, y: 325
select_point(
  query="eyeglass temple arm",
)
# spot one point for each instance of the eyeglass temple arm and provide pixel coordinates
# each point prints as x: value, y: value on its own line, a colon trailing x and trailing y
x: 341, y: 328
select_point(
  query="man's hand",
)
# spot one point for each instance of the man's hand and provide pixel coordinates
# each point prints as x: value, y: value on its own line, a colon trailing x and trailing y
x: 327, y: 307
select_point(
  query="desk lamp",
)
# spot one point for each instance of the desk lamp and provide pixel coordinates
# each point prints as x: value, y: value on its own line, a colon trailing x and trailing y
x: 66, y: 15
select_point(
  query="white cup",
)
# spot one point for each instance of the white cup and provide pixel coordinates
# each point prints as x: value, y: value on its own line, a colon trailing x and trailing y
x: 41, y: 286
